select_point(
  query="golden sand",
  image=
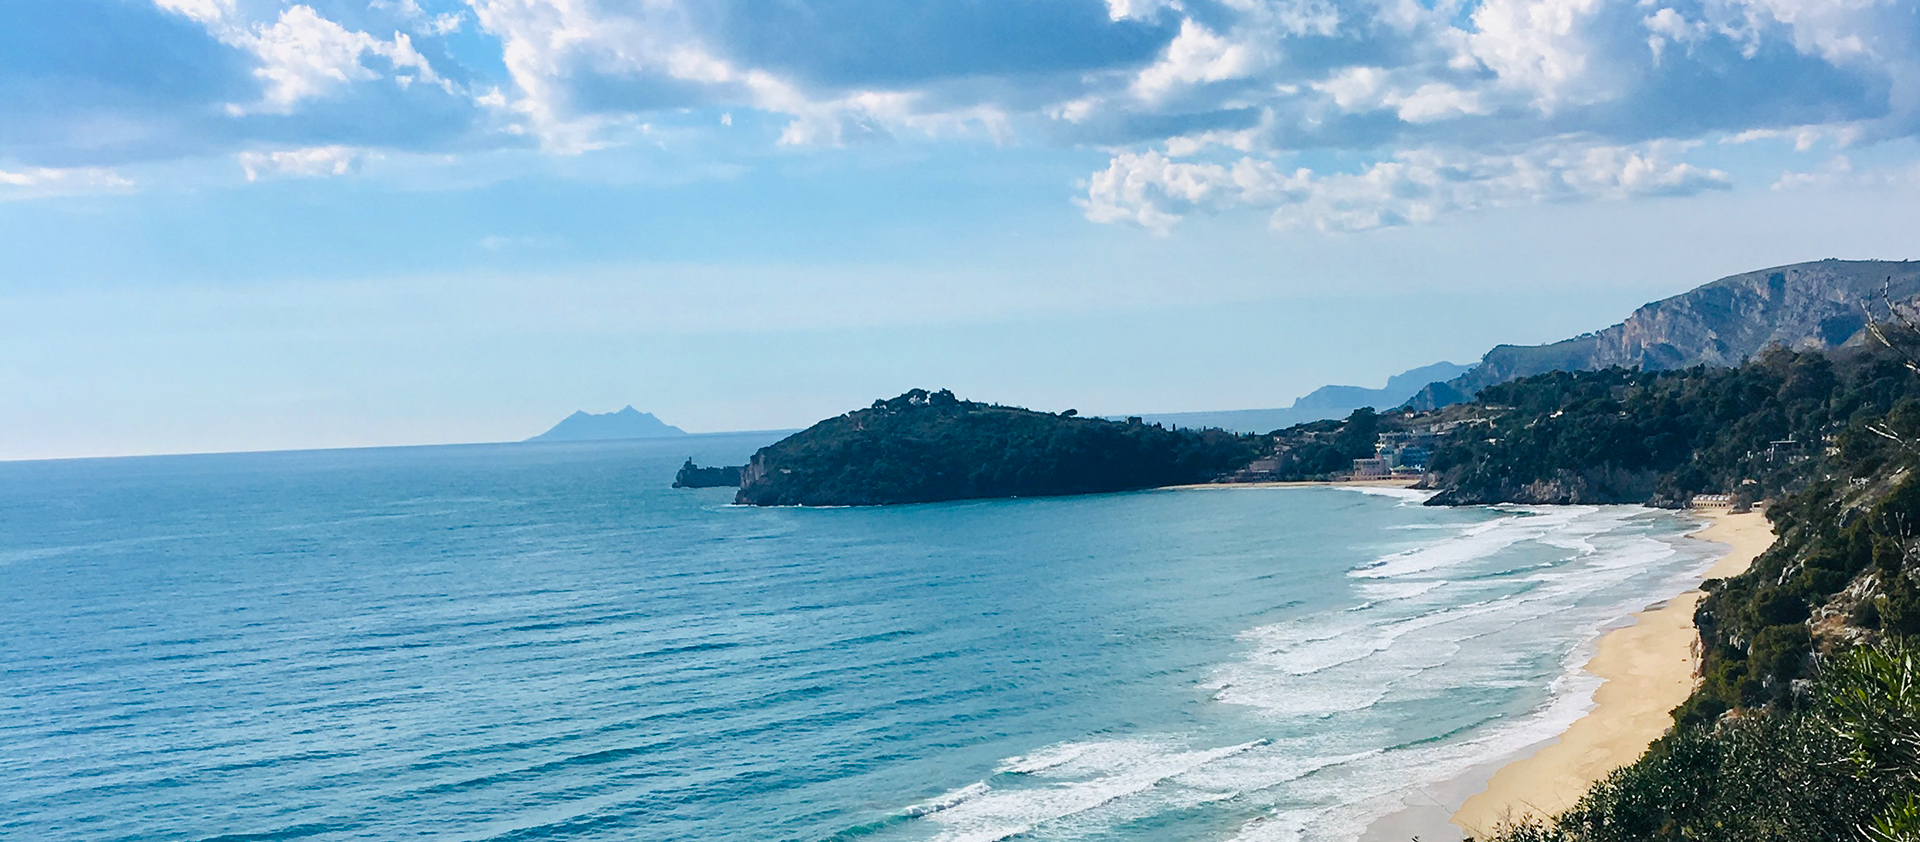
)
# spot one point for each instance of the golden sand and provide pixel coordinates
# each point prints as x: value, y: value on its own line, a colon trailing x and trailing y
x: 1647, y: 669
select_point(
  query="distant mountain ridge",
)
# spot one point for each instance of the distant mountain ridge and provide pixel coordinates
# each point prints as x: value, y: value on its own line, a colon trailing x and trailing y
x: 628, y: 423
x: 1814, y: 306
x: 1319, y: 405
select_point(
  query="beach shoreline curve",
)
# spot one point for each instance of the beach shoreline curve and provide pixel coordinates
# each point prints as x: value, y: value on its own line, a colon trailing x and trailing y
x: 1646, y: 669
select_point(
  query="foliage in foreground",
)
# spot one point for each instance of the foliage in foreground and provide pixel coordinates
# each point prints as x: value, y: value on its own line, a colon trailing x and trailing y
x: 1847, y: 767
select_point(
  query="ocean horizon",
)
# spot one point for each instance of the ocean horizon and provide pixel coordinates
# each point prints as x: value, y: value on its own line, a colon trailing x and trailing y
x: 546, y: 641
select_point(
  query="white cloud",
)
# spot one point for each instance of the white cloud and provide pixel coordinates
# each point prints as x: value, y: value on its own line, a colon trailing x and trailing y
x: 204, y: 11
x: 302, y: 55
x: 1151, y: 190
x: 311, y: 162
x: 1839, y: 172
x: 1837, y: 30
x: 1428, y: 101
x: 1837, y: 169
x: 1139, y: 9
x: 1414, y: 186
x: 42, y: 182
x: 1359, y: 89
x: 1197, y: 55
x: 445, y: 23
x: 545, y: 43
x: 1668, y: 25
x: 1542, y: 47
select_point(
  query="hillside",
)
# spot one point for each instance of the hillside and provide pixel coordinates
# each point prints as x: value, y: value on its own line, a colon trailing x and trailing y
x: 930, y: 446
x: 628, y: 423
x: 1806, y: 722
x: 1806, y: 306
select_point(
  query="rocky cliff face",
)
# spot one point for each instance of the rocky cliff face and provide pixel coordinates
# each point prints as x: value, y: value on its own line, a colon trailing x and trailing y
x: 1806, y: 306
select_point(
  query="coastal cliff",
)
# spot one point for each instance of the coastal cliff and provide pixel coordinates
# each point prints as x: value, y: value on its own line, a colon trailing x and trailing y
x: 694, y: 476
x: 925, y: 446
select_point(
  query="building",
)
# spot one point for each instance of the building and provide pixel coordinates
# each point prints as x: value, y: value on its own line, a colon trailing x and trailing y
x: 1375, y: 468
x: 1405, y: 451
x: 1711, y: 502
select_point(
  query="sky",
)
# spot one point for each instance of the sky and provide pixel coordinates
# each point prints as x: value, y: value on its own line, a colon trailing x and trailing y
x: 256, y: 224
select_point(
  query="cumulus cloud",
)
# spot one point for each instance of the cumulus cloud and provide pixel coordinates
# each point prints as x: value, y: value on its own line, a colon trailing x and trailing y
x: 1419, y: 185
x: 41, y: 182
x: 312, y: 162
x: 1839, y: 171
x: 302, y: 55
x: 1463, y: 102
x: 424, y: 22
x: 1196, y: 56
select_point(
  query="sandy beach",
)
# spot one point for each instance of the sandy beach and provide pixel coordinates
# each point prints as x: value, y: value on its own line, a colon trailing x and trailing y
x: 1647, y: 669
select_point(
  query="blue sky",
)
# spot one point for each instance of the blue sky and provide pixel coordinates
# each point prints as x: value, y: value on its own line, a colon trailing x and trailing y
x: 254, y: 224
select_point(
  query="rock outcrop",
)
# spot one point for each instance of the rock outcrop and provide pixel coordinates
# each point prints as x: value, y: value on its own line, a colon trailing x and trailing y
x: 1805, y: 307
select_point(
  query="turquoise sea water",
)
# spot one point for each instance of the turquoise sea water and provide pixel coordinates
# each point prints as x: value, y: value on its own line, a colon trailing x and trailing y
x: 546, y: 642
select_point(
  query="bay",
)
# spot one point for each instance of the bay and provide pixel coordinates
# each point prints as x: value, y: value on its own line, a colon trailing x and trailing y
x: 545, y: 641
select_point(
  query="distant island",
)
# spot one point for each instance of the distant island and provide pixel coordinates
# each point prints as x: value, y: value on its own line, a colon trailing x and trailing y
x: 926, y: 446
x: 628, y: 423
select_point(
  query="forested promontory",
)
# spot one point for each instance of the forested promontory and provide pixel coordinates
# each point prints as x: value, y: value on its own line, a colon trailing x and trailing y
x: 926, y: 446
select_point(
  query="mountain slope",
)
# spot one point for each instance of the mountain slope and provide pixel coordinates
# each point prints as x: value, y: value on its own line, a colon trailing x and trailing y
x: 1805, y: 307
x: 628, y: 423
x: 1321, y: 404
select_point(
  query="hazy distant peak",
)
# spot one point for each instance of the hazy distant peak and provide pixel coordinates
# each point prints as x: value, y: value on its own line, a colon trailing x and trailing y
x: 1324, y: 402
x: 626, y: 423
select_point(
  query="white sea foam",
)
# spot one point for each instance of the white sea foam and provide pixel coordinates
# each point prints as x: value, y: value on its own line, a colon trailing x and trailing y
x: 949, y: 800
x: 1475, y: 542
x: 1407, y: 495
x: 1419, y: 647
x: 1343, y: 800
x: 1473, y: 609
x: 1074, y: 779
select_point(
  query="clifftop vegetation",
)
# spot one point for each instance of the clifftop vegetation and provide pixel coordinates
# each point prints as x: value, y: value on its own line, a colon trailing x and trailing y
x: 1804, y: 725
x: 1629, y: 436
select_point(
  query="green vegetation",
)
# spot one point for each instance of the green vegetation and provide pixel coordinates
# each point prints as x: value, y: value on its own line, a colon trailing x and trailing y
x: 1846, y: 767
x: 1628, y: 436
x: 930, y: 446
x: 1322, y: 449
x: 1806, y: 725
x: 1830, y: 441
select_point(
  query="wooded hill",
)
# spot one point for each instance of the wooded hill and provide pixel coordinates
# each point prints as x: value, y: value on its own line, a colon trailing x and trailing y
x: 1806, y: 725
x: 930, y: 446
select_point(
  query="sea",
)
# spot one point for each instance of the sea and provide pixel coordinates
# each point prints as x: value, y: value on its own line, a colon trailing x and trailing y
x: 546, y: 641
